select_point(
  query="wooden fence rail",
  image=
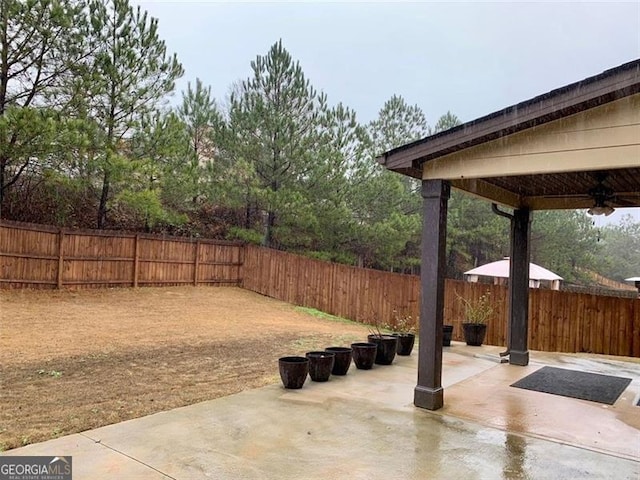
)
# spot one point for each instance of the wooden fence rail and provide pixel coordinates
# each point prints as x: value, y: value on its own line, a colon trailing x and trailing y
x: 47, y: 257
x: 558, y: 321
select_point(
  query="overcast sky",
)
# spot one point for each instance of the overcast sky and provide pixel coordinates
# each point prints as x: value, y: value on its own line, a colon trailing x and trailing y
x: 468, y: 58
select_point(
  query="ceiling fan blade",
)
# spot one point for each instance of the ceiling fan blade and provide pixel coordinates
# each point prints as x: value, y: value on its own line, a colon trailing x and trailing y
x: 625, y: 201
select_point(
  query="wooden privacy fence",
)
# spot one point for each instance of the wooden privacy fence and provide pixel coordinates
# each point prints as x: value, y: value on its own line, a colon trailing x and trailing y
x: 558, y: 321
x: 358, y: 294
x: 48, y: 257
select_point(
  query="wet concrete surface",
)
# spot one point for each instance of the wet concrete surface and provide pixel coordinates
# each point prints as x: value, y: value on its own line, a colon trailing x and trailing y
x: 364, y: 426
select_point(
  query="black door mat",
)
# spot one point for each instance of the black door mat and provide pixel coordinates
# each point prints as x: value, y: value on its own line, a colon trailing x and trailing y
x: 571, y: 383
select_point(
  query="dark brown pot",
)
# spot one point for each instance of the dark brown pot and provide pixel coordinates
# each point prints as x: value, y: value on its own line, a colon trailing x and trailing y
x: 343, y: 357
x: 364, y: 354
x: 447, y: 334
x: 405, y: 343
x: 320, y: 365
x: 387, y: 348
x: 293, y: 371
x: 474, y: 333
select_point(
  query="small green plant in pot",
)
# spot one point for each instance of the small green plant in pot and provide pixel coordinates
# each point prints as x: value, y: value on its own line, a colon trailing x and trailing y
x: 476, y: 315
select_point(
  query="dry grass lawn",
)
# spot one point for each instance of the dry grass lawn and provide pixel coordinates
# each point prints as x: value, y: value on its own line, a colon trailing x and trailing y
x: 76, y: 360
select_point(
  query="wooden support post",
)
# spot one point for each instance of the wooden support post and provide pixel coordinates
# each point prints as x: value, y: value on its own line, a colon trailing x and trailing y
x: 519, y: 287
x: 196, y: 263
x: 429, y: 393
x: 60, y: 258
x: 136, y: 261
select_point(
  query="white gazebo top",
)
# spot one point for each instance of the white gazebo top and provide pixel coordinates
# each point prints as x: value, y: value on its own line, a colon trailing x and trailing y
x: 501, y: 269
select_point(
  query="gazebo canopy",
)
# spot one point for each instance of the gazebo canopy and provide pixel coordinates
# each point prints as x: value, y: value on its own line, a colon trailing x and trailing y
x: 501, y: 269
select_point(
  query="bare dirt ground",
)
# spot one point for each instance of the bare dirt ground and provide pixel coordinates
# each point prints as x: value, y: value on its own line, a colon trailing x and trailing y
x: 76, y: 360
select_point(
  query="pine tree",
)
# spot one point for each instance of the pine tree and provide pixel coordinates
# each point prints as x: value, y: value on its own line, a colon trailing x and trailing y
x: 274, y: 127
x: 445, y: 122
x: 127, y: 77
x: 398, y: 123
x: 386, y: 204
x: 203, y: 121
x: 621, y: 249
x: 40, y: 41
x: 200, y: 114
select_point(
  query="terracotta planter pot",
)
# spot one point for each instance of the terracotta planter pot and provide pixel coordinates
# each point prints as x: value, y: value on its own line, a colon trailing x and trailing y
x: 387, y: 348
x: 293, y: 371
x: 320, y: 365
x: 474, y: 333
x: 405, y: 343
x: 364, y: 354
x: 342, y: 362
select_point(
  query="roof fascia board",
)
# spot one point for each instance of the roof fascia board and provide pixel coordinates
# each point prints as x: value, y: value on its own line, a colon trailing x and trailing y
x: 618, y: 157
x: 567, y: 101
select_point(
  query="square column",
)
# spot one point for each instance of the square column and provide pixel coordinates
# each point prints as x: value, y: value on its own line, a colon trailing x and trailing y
x: 519, y: 287
x: 429, y: 393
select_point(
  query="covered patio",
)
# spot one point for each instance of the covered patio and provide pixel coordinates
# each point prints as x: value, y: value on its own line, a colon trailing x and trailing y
x: 362, y: 426
x: 572, y: 148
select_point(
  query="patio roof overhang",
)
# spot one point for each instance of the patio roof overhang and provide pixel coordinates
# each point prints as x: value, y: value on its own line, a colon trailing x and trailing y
x: 574, y: 147
x: 544, y: 153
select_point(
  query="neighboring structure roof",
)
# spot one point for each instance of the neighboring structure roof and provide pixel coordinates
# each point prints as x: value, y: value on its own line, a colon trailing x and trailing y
x: 501, y: 269
x: 632, y: 279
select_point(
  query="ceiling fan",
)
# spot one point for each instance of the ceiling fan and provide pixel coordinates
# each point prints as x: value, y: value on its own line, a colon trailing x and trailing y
x: 605, y: 198
x: 601, y: 194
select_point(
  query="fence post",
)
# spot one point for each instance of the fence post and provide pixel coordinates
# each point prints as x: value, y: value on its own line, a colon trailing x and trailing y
x: 242, y: 255
x: 196, y: 263
x: 60, y: 257
x: 136, y: 260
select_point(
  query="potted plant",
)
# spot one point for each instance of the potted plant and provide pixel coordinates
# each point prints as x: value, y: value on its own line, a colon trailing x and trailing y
x: 404, y: 328
x: 476, y: 314
x: 387, y: 345
x: 447, y: 334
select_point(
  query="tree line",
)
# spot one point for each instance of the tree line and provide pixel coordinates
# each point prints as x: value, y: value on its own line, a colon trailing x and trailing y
x: 88, y: 138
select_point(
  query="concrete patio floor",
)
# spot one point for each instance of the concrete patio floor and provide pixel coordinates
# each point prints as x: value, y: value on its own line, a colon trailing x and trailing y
x: 364, y: 426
